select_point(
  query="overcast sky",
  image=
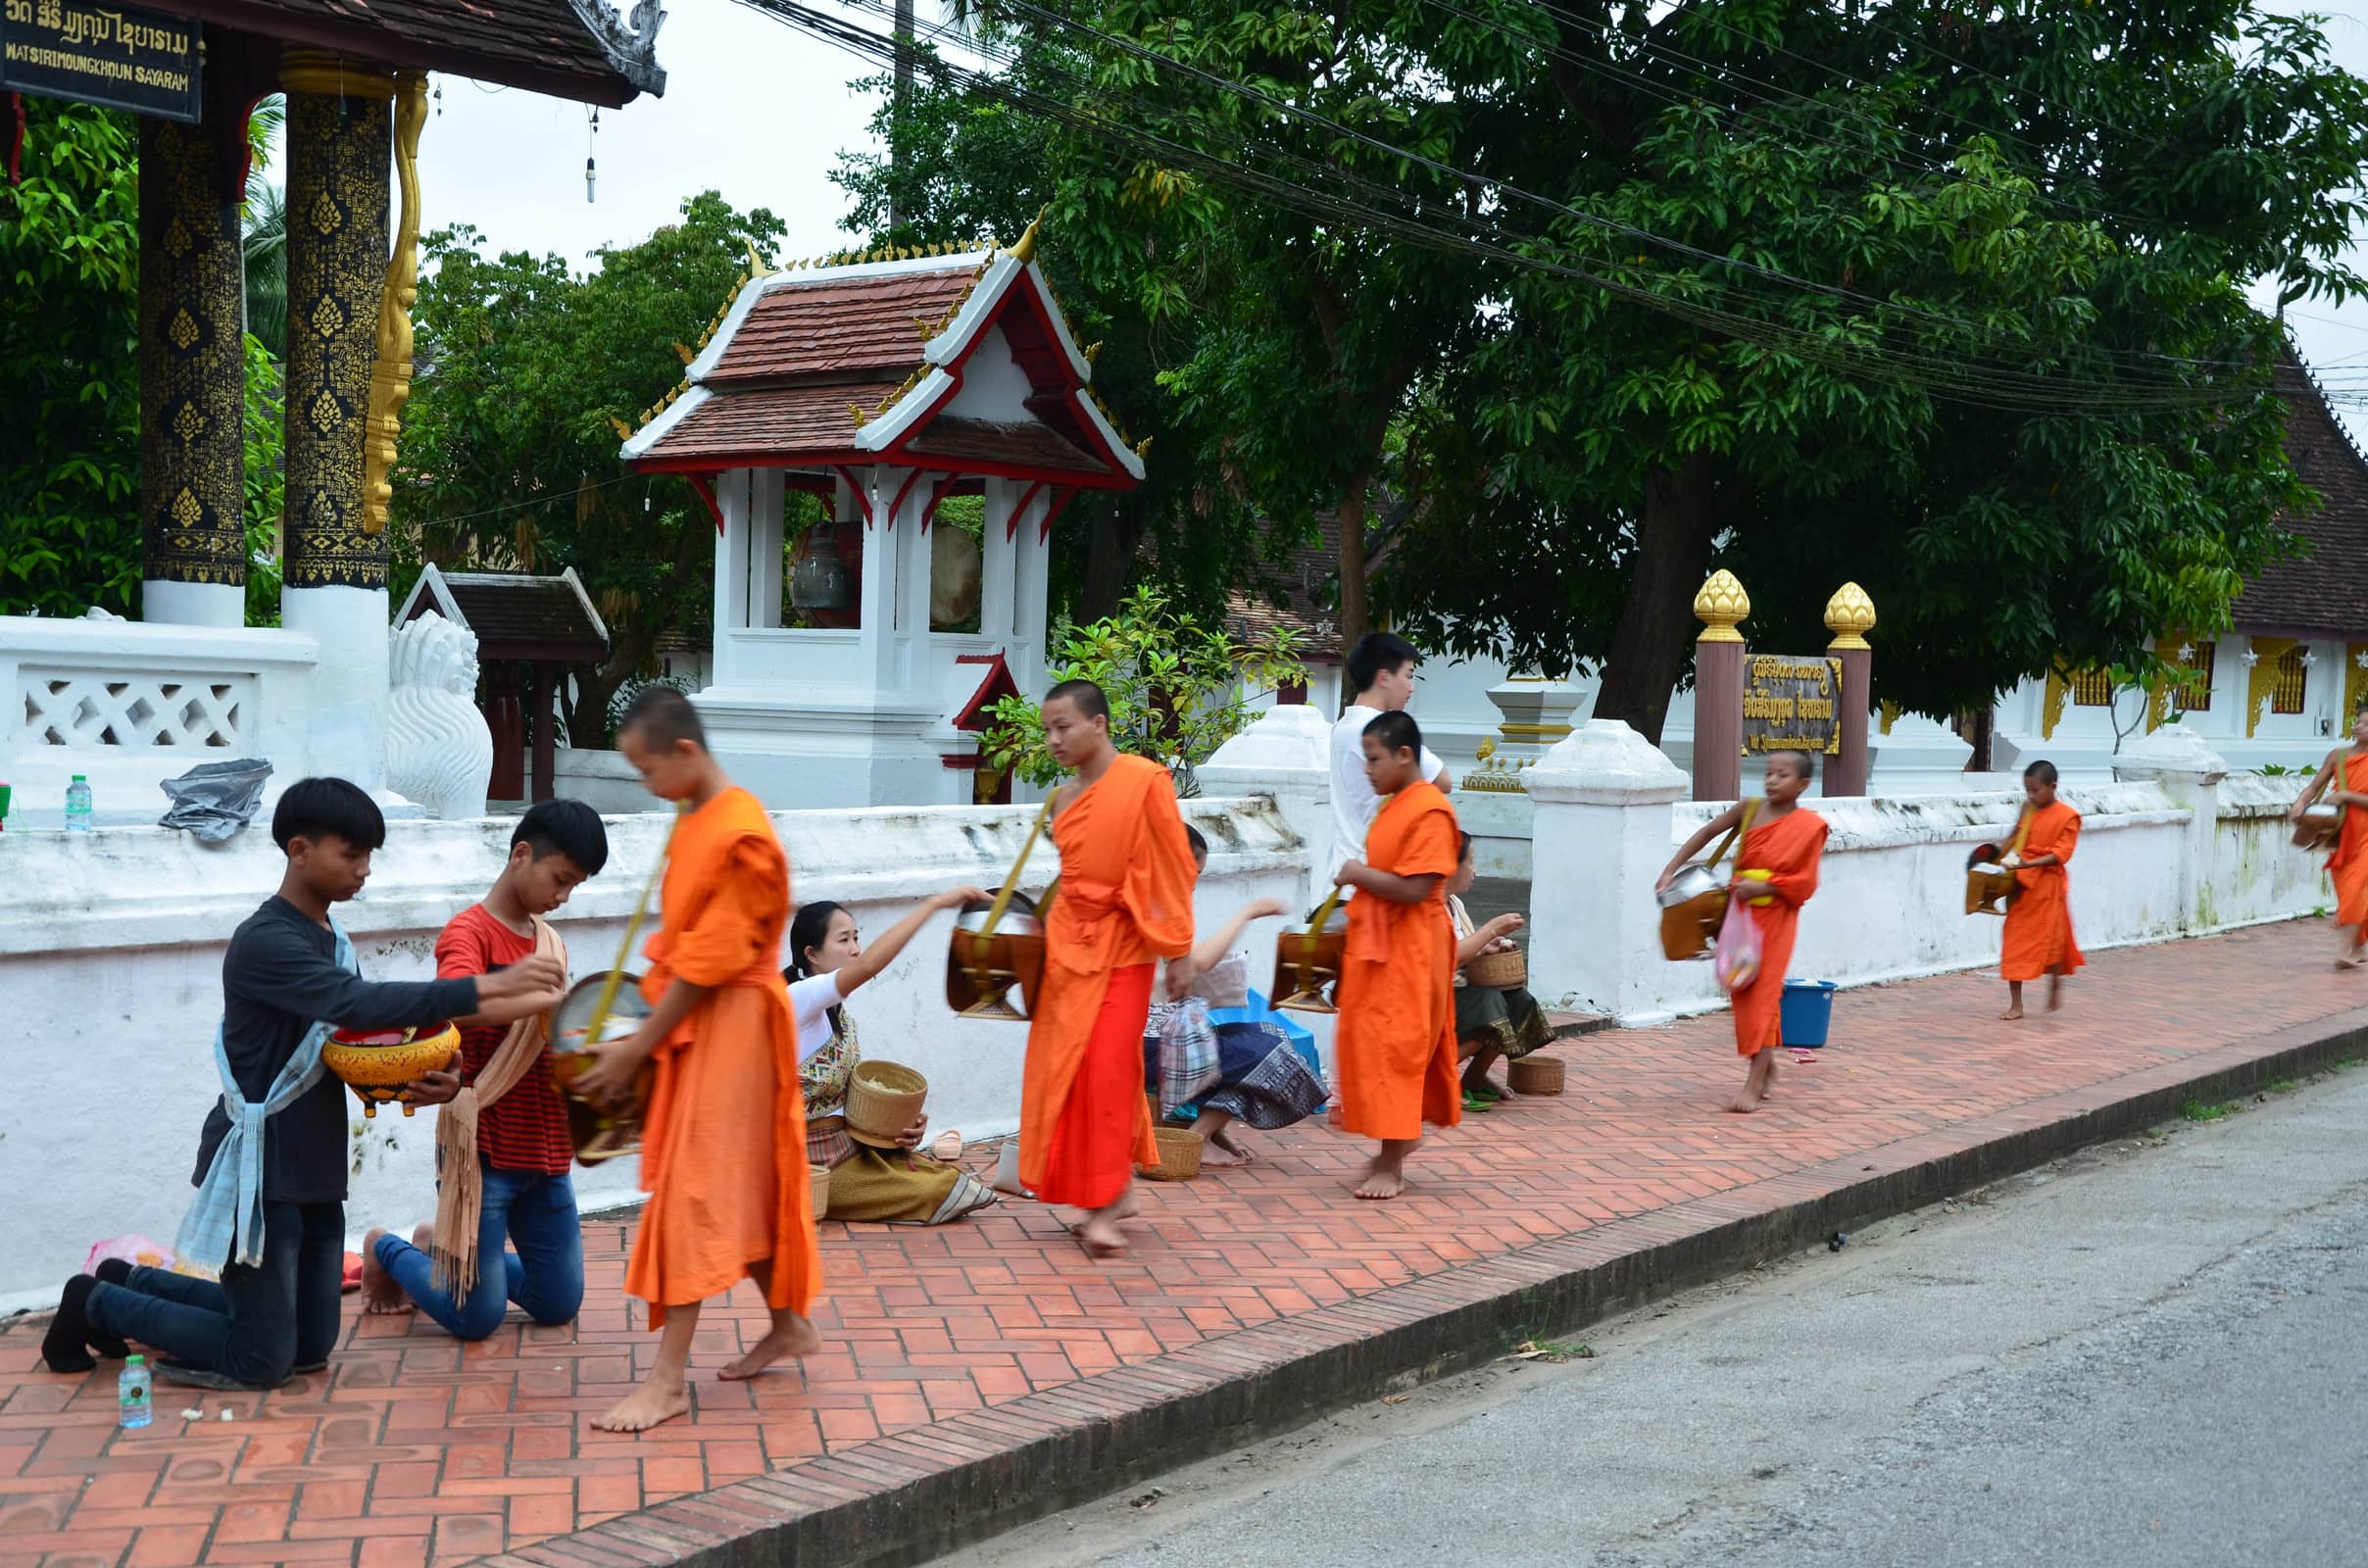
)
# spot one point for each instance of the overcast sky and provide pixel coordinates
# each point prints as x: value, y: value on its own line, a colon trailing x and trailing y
x: 761, y: 112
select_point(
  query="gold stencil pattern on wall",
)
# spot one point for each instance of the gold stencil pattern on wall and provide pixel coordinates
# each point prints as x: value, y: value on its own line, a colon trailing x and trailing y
x: 192, y: 362
x: 337, y: 176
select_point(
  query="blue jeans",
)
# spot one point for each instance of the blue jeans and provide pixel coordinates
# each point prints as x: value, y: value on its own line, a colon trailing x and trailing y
x: 260, y: 1322
x: 544, y: 1276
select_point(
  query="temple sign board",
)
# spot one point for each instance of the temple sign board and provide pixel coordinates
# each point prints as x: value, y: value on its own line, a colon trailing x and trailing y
x: 1789, y: 703
x: 116, y: 57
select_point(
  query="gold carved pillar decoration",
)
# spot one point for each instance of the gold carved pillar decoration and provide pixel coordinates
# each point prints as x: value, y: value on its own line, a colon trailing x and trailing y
x: 338, y: 145
x: 390, y: 374
x: 2261, y: 658
x: 2356, y: 684
x: 192, y: 359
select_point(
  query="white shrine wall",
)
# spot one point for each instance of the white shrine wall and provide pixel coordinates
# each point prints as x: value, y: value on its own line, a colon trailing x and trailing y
x: 111, y: 952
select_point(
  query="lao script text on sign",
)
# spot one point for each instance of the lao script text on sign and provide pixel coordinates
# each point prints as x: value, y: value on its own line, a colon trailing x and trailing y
x: 107, y: 55
x: 1790, y: 704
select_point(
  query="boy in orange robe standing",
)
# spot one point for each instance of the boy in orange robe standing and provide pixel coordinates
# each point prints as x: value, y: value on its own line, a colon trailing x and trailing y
x: 2039, y: 921
x: 1124, y: 900
x: 1776, y: 874
x: 2342, y: 782
x: 1395, y: 1037
x: 724, y: 1143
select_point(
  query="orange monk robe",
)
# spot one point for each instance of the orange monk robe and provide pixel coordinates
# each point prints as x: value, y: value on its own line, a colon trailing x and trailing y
x: 723, y: 1145
x: 1788, y: 849
x: 1396, y: 1036
x: 2348, y: 864
x: 1125, y: 899
x: 2039, y: 922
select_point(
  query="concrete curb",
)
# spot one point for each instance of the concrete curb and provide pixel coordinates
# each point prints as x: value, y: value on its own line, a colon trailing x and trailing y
x: 904, y: 1498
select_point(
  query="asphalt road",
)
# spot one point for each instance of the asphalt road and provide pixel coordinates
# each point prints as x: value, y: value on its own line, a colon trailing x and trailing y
x: 2153, y: 1354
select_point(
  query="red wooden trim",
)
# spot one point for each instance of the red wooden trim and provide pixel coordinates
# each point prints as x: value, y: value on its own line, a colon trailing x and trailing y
x: 897, y: 504
x: 705, y: 484
x: 16, y: 140
x: 1060, y: 498
x: 1010, y: 526
x: 716, y: 463
x: 943, y: 489
x: 966, y: 762
x: 813, y: 484
x: 860, y: 499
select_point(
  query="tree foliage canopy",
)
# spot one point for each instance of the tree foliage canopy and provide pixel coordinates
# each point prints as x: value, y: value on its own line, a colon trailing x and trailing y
x: 509, y: 454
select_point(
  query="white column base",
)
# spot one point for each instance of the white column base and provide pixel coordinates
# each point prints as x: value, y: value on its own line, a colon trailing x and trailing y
x: 193, y: 603
x: 347, y: 723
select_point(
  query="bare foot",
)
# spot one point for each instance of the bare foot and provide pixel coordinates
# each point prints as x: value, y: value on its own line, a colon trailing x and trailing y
x: 1768, y: 1085
x: 2013, y: 1014
x: 1745, y: 1104
x: 654, y: 1403
x: 1129, y: 1208
x: 1099, y: 1235
x: 1381, y: 1182
x: 2055, y: 995
x: 793, y: 1335
x: 2351, y: 960
x: 1223, y: 1151
x: 379, y: 1292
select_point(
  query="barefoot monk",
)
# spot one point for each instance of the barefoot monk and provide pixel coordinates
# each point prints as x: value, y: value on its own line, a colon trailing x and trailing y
x: 723, y: 1144
x: 1124, y: 901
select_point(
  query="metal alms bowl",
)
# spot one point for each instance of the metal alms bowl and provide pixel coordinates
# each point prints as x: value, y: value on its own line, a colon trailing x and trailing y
x: 1690, y: 883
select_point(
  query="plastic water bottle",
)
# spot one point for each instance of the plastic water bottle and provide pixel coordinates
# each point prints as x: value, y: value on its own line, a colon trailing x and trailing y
x: 132, y: 1394
x: 77, y: 804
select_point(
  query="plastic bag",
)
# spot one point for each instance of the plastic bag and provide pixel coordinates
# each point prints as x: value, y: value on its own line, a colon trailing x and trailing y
x: 1188, y: 1055
x: 215, y: 799
x: 141, y: 1252
x: 1738, y: 959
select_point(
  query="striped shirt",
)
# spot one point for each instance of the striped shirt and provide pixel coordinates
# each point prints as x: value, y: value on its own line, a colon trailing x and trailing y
x: 527, y: 1129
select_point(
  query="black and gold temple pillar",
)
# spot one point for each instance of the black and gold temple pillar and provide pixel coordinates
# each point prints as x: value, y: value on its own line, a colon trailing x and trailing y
x: 333, y: 578
x: 192, y: 368
x: 340, y: 128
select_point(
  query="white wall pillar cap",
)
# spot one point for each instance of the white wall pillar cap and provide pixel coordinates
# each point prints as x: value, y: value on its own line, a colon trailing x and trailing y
x: 1604, y: 762
x: 1286, y: 739
x: 2172, y: 750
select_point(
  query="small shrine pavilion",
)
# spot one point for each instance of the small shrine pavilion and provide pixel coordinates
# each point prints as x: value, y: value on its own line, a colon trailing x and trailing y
x: 883, y: 383
x: 529, y: 629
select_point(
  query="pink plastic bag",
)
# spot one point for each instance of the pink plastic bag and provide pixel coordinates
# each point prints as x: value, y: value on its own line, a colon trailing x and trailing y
x: 1737, y: 957
x: 141, y: 1252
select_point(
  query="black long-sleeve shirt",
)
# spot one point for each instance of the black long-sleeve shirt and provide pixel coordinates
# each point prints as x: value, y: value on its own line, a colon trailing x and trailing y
x: 279, y: 977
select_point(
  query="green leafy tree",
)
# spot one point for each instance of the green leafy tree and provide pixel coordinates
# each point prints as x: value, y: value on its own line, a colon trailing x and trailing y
x: 1961, y: 318
x: 1177, y: 689
x: 69, y: 531
x: 508, y: 458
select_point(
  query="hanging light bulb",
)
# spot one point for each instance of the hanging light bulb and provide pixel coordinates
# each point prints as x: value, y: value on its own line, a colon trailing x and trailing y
x: 820, y: 581
x: 589, y: 174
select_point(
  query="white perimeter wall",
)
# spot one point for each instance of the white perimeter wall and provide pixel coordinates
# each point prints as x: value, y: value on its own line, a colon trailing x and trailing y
x: 111, y: 951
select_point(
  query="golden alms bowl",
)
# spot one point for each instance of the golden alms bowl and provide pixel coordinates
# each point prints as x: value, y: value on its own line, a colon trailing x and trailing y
x: 375, y: 1063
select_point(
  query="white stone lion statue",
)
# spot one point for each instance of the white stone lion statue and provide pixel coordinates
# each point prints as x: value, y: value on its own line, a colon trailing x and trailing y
x: 439, y: 751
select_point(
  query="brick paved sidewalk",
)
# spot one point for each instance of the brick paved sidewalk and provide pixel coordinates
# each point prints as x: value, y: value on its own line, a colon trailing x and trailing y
x: 987, y: 1370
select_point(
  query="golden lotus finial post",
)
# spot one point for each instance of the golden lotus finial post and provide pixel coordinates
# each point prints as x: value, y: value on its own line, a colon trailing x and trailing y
x: 1722, y: 606
x: 1850, y: 615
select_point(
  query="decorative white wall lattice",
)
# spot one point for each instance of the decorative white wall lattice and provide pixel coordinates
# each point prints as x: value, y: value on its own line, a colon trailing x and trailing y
x: 86, y: 708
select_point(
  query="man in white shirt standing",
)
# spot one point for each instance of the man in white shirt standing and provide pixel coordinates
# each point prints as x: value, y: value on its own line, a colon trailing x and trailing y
x: 1381, y: 666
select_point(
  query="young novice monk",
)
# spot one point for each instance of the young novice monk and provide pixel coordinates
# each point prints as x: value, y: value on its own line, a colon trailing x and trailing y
x: 1396, y: 1037
x: 1776, y: 872
x: 1125, y: 901
x: 271, y: 1160
x: 2038, y: 921
x: 2347, y: 867
x: 724, y: 1143
x: 502, y: 1149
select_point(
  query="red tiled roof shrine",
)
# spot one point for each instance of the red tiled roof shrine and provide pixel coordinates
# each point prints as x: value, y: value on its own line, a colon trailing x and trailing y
x: 2324, y: 593
x: 959, y: 365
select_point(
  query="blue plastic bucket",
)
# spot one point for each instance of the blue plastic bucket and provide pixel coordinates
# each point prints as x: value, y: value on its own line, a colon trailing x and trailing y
x: 1807, y: 1011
